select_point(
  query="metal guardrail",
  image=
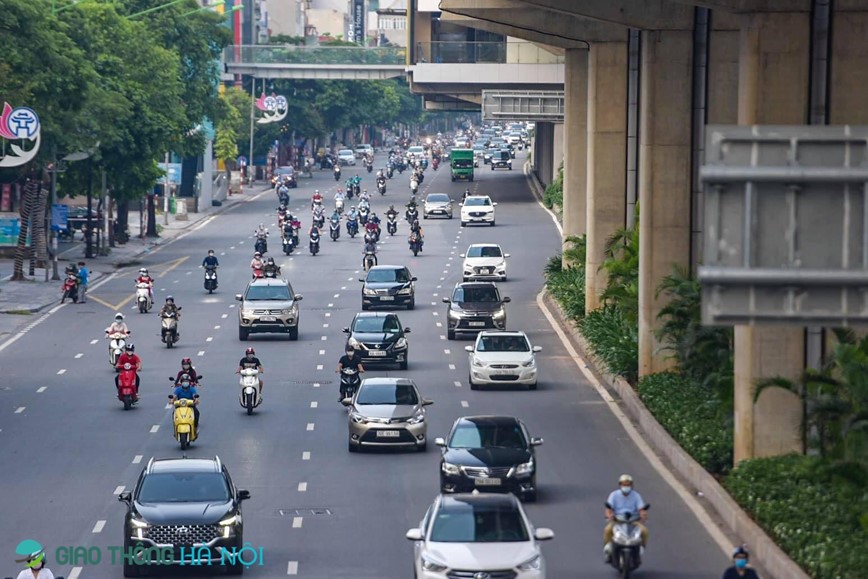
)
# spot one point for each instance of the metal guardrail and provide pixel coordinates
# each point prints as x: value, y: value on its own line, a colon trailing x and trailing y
x: 458, y: 52
x: 335, y: 55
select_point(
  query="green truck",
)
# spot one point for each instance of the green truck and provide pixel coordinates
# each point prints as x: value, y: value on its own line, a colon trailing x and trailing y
x: 461, y: 161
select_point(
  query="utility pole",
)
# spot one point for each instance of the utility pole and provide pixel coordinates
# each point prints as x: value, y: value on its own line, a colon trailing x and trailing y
x: 88, y: 251
x: 166, y: 194
x: 103, y: 250
x: 54, y: 275
x: 252, y: 103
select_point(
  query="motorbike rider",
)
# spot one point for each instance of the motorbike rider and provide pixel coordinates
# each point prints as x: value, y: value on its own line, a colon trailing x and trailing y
x: 357, y: 180
x: 373, y: 225
x: 336, y: 216
x: 380, y: 175
x: 392, y: 213
x: 210, y: 260
x: 316, y: 199
x: 624, y: 500
x: 281, y: 213
x: 353, y: 360
x: 186, y: 390
x: 416, y: 230
x: 118, y: 326
x: 170, y: 308
x: 466, y: 195
x: 271, y: 269
x: 371, y: 248
x: 739, y: 569
x: 34, y: 561
x: 188, y: 369
x: 353, y: 215
x: 256, y: 263
x: 145, y: 278
x: 128, y: 357
x: 365, y: 196
x: 260, y: 232
x: 251, y: 361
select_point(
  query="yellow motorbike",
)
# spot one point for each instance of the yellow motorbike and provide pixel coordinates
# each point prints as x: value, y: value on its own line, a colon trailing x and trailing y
x: 185, y: 422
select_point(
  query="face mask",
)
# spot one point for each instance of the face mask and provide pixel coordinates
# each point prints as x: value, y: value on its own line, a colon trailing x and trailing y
x: 741, y: 563
x: 626, y: 490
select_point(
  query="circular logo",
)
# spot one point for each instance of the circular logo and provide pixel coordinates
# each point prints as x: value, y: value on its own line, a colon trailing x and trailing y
x: 23, y: 122
x: 481, y: 575
x: 270, y: 103
x: 281, y: 102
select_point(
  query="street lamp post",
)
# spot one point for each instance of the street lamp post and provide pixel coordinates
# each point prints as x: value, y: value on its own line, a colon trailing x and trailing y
x: 166, y: 194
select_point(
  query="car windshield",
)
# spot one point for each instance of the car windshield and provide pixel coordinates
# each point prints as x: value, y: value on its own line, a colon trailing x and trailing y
x: 388, y: 275
x: 415, y: 150
x: 371, y: 325
x: 284, y: 171
x: 468, y: 523
x: 487, y: 435
x: 484, y: 251
x: 269, y: 292
x: 485, y: 294
x: 502, y: 344
x: 438, y: 198
x: 184, y: 487
x: 478, y: 201
x: 345, y: 152
x: 402, y: 394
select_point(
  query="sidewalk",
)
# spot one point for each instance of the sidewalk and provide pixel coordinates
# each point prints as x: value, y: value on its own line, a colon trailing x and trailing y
x: 20, y: 299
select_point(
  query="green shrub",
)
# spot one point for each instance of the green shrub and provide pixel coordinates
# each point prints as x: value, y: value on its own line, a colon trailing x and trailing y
x: 567, y: 286
x: 613, y: 341
x: 693, y: 416
x: 554, y: 193
x: 811, y: 508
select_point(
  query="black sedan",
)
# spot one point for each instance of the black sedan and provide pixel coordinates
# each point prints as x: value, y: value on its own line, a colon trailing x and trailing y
x: 285, y: 174
x: 379, y: 338
x: 489, y: 453
x: 388, y: 285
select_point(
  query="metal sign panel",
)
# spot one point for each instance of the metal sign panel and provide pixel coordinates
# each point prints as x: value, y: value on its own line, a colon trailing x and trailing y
x: 358, y: 25
x: 786, y: 225
x: 523, y: 105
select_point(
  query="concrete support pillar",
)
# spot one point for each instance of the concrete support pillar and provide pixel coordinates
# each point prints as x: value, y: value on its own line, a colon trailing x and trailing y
x: 773, y: 88
x: 849, y: 70
x: 607, y: 157
x: 543, y: 151
x: 664, y: 177
x: 557, y: 149
x: 575, y: 141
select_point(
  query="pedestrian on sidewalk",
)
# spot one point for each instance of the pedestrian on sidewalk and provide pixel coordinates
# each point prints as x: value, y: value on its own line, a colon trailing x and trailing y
x: 83, y: 274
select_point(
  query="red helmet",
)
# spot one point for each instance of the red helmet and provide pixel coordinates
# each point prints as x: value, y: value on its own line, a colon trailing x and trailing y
x: 186, y: 362
x: 249, y: 351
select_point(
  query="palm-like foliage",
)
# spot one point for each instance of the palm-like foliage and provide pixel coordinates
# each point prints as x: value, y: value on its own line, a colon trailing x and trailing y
x: 621, y: 264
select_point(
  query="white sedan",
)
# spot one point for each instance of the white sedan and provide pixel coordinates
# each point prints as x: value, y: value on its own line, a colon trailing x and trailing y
x: 477, y: 209
x: 484, y: 261
x: 478, y: 536
x: 346, y: 157
x: 501, y: 357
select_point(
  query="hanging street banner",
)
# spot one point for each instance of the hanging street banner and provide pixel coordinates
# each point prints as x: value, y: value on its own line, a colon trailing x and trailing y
x: 358, y: 19
x: 19, y: 124
x: 275, y: 108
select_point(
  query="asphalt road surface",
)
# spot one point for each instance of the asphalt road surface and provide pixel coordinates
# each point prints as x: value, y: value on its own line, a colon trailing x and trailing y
x: 67, y: 447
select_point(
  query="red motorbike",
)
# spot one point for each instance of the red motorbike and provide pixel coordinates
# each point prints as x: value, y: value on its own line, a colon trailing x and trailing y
x: 70, y: 288
x: 257, y: 272
x: 435, y: 163
x: 127, y: 392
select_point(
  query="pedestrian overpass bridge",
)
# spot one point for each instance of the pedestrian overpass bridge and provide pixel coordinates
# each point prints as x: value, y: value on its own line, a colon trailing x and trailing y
x: 316, y: 62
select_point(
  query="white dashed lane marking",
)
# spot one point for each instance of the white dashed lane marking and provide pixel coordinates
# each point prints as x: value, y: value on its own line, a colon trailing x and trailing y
x: 302, y: 487
x: 137, y: 459
x: 74, y: 574
x: 209, y: 339
x: 322, y: 352
x: 451, y: 366
x: 457, y: 384
x: 305, y: 455
x: 20, y: 409
x: 314, y: 404
x: 92, y: 342
x: 40, y: 390
x: 296, y: 522
x: 119, y: 490
x: 224, y: 316
x: 292, y: 568
x: 61, y: 371
x: 316, y: 384
x: 447, y: 351
x: 218, y: 327
x: 155, y: 428
x: 97, y: 528
x: 464, y: 404
x: 319, y: 366
x: 310, y: 425
x: 201, y: 353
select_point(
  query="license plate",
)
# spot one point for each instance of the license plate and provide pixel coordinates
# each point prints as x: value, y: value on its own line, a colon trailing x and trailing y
x: 376, y: 353
x: 503, y: 372
x: 387, y: 298
x: 476, y: 324
x: 390, y: 434
x: 487, y: 271
x: 268, y: 318
x: 488, y: 482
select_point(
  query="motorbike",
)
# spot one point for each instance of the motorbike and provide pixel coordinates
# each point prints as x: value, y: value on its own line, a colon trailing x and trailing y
x: 377, y: 232
x: 261, y: 245
x: 414, y: 186
x: 288, y: 244
x: 169, y: 330
x: 319, y: 219
x: 381, y: 186
x: 339, y: 205
x: 364, y: 211
x: 389, y: 172
x: 283, y: 197
x: 127, y: 386
x: 271, y: 273
x: 415, y: 244
x: 369, y: 167
x: 117, y: 341
x: 369, y: 260
x: 424, y: 164
x: 314, y: 243
x: 184, y: 420
x: 250, y: 396
x: 412, y: 214
x: 349, y: 382
x: 334, y: 229
x: 391, y: 223
x: 352, y: 227
x: 211, y: 278
x: 70, y: 288
x: 337, y: 173
x: 435, y: 163
x: 281, y: 218
x: 143, y: 298
x: 357, y: 189
x: 626, y: 544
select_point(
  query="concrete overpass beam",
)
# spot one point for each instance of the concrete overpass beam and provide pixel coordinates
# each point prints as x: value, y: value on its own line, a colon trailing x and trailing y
x: 607, y: 157
x: 642, y: 14
x: 575, y: 141
x: 773, y: 88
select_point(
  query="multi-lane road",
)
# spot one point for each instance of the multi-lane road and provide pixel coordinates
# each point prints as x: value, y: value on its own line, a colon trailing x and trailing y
x: 67, y: 448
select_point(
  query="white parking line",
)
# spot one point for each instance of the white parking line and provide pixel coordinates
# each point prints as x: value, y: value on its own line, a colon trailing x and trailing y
x: 20, y: 409
x: 305, y: 455
x: 292, y: 568
x: 457, y: 384
x: 310, y: 425
x: 302, y: 487
x: 137, y: 459
x: 201, y: 353
x: 314, y: 404
x: 119, y: 490
x: 92, y: 342
x: 451, y: 366
x: 464, y: 404
x: 40, y: 390
x: 296, y: 522
x: 97, y: 528
x: 61, y: 371
x: 155, y: 428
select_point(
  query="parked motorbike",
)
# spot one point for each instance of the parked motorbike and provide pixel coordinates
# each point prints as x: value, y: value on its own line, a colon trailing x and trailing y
x: 626, y: 544
x: 143, y: 298
x: 314, y: 243
x: 392, y: 223
x: 352, y: 227
x: 169, y: 331
x: 349, y: 382
x: 70, y: 288
x: 127, y: 386
x: 184, y: 421
x: 211, y: 278
x: 334, y: 229
x: 250, y: 396
x: 261, y: 245
x: 117, y: 342
x: 415, y: 243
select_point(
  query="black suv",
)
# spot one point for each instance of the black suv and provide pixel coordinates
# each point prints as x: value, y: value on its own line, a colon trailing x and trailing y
x: 475, y: 306
x: 388, y: 285
x: 489, y: 453
x: 185, y: 505
x: 379, y: 338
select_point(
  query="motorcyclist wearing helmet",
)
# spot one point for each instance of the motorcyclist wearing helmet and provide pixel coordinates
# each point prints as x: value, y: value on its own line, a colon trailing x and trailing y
x: 188, y: 391
x: 353, y: 213
x: 466, y: 195
x: 316, y: 199
x: 260, y: 232
x: 118, y: 326
x: 128, y: 357
x: 375, y: 219
x: 145, y: 278
x: 339, y: 195
x: 352, y: 360
x: 33, y: 556
x: 371, y: 226
x: 336, y: 216
x: 256, y: 263
x: 621, y: 501
x: 188, y: 369
x: 740, y: 569
x: 210, y: 260
x: 391, y: 212
x: 251, y: 361
x: 271, y: 269
x: 416, y: 232
x: 170, y: 308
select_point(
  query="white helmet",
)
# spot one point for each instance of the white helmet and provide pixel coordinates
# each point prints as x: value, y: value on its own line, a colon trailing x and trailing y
x: 119, y: 316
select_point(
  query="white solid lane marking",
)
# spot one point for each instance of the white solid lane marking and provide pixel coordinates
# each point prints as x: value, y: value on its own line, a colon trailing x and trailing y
x: 209, y: 339
x: 457, y: 384
x: 464, y: 404
x: 119, y: 490
x: 40, y: 390
x: 20, y: 409
x: 314, y: 404
x: 451, y: 366
x: 61, y: 371
x: 319, y: 366
x: 305, y: 455
x: 155, y: 428
x: 292, y: 568
x: 137, y: 459
x: 296, y: 522
x: 310, y: 425
x: 97, y: 528
x: 201, y: 353
x: 92, y: 342
x: 74, y: 574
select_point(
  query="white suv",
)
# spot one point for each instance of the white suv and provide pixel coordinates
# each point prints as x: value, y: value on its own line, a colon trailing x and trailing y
x: 501, y: 357
x: 484, y: 261
x: 477, y: 209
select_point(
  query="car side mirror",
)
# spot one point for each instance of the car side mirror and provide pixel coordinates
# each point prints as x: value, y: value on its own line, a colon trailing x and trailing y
x: 505, y: 255
x: 494, y: 204
x: 536, y: 441
x: 406, y: 330
x: 125, y: 497
x: 537, y: 348
x: 506, y: 300
x: 361, y: 279
x: 447, y: 301
x: 414, y: 534
x: 426, y: 402
x: 461, y: 255
x: 238, y: 297
x: 543, y: 534
x: 468, y: 349
x: 347, y: 401
x: 440, y: 442
x: 298, y: 297
x: 414, y: 279
x: 346, y: 330
x: 243, y: 495
x: 461, y: 204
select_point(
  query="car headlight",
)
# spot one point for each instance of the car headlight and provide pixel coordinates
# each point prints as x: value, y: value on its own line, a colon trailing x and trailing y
x: 478, y: 363
x: 139, y: 523
x: 501, y: 266
x: 529, y: 363
x: 449, y: 468
x: 499, y: 314
x: 246, y: 312
x: 289, y: 311
x: 405, y: 292
x: 430, y: 564
x: 370, y: 292
x: 233, y: 520
x: 417, y: 418
x: 453, y: 315
x: 358, y: 418
x: 532, y: 564
x: 401, y: 344
x: 525, y: 468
